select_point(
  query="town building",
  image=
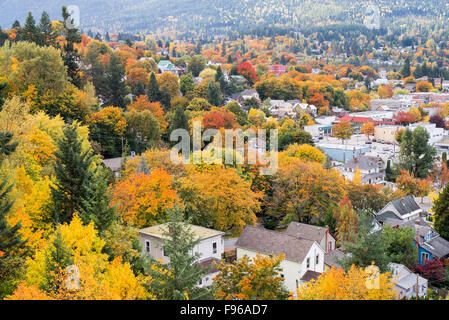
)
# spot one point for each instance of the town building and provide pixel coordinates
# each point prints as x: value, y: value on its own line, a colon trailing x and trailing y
x: 372, y: 169
x: 303, y: 261
x: 407, y: 283
x: 210, y: 247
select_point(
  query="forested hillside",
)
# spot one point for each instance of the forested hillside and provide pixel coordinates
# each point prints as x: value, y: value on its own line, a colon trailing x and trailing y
x: 216, y: 16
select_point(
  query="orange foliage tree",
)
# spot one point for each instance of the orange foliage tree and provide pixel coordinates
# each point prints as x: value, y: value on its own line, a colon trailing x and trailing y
x: 141, y: 199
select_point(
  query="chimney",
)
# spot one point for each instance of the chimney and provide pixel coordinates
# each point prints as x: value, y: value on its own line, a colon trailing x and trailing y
x: 298, y: 236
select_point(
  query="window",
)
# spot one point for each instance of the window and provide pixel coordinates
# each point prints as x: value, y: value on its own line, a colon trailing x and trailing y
x: 147, y: 245
x: 317, y: 259
x: 308, y: 263
x: 214, y: 247
x: 424, y: 256
x: 329, y: 246
x: 201, y: 282
x: 163, y: 249
x: 297, y: 283
x: 282, y: 276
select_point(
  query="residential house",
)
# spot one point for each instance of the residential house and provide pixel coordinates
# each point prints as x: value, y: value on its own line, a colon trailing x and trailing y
x: 301, y: 108
x: 321, y: 235
x: 210, y: 246
x: 247, y: 95
x: 407, y: 283
x: 430, y: 244
x: 277, y: 69
x: 168, y: 66
x: 304, y: 258
x: 372, y: 169
x: 404, y: 208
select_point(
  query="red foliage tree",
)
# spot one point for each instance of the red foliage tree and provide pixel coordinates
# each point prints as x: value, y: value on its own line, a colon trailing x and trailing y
x: 432, y: 270
x: 404, y: 118
x: 247, y: 70
x: 217, y: 120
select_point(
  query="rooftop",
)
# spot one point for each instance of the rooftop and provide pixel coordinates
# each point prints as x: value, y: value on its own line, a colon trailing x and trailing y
x: 274, y: 243
x: 201, y: 232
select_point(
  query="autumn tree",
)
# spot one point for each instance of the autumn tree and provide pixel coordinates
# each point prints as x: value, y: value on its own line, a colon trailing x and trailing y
x: 342, y: 130
x: 219, y: 198
x: 98, y: 278
x: 250, y: 279
x: 213, y: 94
x: 338, y: 284
x: 432, y: 270
x: 367, y: 129
x: 247, y: 70
x: 186, y: 83
x: 178, y: 279
x: 305, y: 152
x: 141, y: 199
x: 347, y: 221
x: 303, y: 191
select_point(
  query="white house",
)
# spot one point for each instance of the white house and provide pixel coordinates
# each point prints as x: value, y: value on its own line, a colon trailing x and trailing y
x: 210, y: 246
x: 407, y: 283
x: 304, y: 258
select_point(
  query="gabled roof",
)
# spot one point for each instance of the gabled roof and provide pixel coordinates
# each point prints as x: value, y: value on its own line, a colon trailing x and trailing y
x: 306, y: 231
x: 437, y: 246
x: 114, y: 164
x: 274, y: 243
x: 405, y: 205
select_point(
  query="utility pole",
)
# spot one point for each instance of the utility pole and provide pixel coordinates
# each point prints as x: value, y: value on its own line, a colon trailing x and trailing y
x: 417, y: 283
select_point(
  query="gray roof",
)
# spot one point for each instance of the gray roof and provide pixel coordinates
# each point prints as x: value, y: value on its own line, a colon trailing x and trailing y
x: 409, y: 281
x: 331, y: 258
x: 405, y: 205
x: 306, y: 231
x: 114, y: 164
x: 387, y: 215
x: 437, y: 246
x: 362, y: 163
x: 274, y: 243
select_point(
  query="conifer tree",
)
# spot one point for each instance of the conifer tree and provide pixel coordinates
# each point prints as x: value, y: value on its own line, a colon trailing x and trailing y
x: 186, y: 83
x: 97, y: 207
x: 9, y: 236
x: 70, y: 55
x: 73, y: 178
x: 154, y: 93
x: 180, y: 276
x: 179, y: 120
x: 45, y: 30
x: 441, y: 209
x: 213, y: 94
x: 367, y: 247
x: 116, y: 87
x: 30, y: 32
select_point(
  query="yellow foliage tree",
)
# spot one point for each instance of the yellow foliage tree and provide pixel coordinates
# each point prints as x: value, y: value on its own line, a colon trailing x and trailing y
x: 305, y: 152
x: 336, y: 284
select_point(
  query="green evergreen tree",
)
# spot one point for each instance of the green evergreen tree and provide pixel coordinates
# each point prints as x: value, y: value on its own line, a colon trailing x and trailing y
x: 70, y: 55
x: 368, y: 247
x: 154, y: 93
x: 186, y: 83
x: 179, y: 120
x: 73, y: 178
x: 405, y: 71
x: 416, y: 155
x: 97, y: 207
x: 116, y: 87
x: 184, y: 270
x: 441, y: 209
x: 30, y: 32
x: 401, y: 247
x: 45, y: 30
x: 213, y: 94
